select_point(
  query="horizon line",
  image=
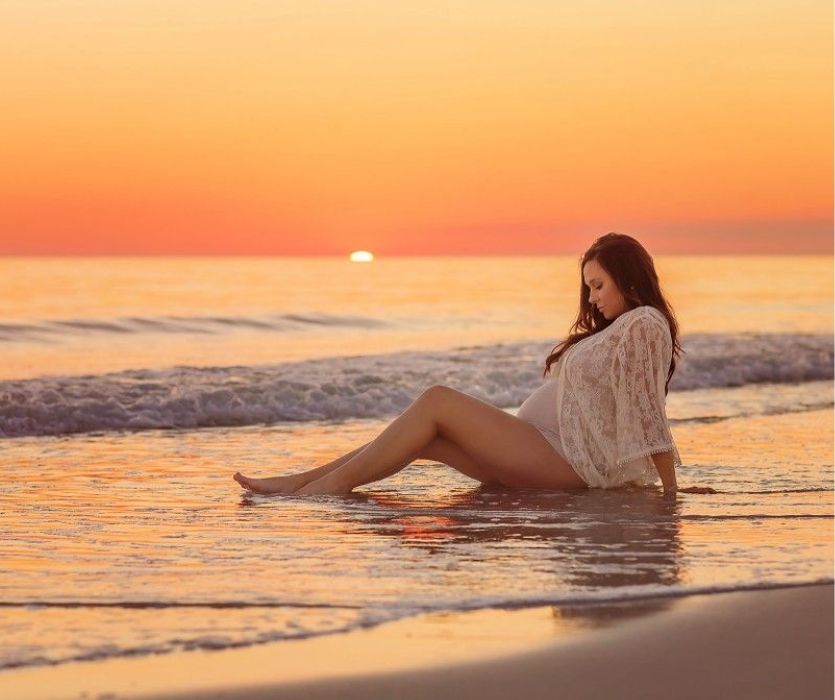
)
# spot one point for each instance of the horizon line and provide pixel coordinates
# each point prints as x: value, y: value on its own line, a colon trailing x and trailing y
x: 383, y: 256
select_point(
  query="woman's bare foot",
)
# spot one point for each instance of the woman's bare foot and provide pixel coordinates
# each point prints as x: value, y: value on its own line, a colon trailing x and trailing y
x: 273, y: 485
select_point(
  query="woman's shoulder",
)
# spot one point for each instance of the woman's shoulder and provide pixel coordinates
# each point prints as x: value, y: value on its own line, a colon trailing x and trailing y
x: 643, y: 312
x: 646, y: 316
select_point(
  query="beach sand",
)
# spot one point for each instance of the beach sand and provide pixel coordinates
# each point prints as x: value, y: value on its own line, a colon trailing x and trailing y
x: 764, y: 644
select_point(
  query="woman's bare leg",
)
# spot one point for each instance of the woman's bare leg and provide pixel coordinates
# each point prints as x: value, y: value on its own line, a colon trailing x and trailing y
x: 289, y: 483
x: 447, y: 452
x: 512, y: 451
x: 439, y: 450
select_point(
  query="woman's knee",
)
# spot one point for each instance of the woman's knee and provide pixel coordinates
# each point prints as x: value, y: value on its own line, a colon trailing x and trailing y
x: 435, y: 393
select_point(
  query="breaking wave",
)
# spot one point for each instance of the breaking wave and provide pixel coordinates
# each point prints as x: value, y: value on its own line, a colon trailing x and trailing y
x: 376, y: 386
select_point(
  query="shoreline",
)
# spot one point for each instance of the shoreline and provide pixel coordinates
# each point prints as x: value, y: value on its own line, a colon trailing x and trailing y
x: 766, y: 644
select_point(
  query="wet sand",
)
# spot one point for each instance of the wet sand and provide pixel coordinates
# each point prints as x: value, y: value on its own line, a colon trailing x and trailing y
x: 763, y: 644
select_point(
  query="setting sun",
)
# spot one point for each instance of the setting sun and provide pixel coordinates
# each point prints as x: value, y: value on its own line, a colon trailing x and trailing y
x: 362, y: 256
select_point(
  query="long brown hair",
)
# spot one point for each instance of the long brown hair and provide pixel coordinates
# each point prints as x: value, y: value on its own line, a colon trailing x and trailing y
x: 632, y: 269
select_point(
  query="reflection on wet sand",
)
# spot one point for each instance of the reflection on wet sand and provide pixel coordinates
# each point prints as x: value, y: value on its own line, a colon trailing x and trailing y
x: 603, y: 541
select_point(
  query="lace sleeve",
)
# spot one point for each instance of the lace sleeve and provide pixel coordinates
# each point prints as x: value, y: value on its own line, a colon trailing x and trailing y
x: 639, y: 373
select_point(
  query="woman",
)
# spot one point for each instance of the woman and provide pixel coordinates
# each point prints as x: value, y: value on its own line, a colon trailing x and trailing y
x: 599, y: 422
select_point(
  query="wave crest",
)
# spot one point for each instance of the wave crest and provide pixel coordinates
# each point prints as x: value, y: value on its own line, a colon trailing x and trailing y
x: 370, y: 386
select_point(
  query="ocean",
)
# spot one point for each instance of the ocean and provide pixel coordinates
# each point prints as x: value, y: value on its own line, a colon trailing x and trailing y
x: 132, y: 389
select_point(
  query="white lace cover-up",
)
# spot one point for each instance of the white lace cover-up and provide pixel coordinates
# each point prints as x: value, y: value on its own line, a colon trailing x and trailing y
x: 610, y: 400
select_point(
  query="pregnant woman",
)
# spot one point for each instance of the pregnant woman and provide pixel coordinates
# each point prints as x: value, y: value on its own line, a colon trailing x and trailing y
x: 599, y: 421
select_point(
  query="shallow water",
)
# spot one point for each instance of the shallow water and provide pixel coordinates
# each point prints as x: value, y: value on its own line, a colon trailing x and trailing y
x: 95, y: 315
x: 131, y: 391
x: 140, y: 542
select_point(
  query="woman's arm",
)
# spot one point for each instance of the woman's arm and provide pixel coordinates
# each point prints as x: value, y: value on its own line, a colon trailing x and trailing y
x: 666, y: 470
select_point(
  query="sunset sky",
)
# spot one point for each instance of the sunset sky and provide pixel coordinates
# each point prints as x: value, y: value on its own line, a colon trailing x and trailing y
x: 411, y: 128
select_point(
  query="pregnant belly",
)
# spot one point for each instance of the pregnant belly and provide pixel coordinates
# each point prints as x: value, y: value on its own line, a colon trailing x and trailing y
x: 540, y: 408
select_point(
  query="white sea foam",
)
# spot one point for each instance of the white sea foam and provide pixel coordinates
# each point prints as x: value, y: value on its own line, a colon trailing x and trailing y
x: 370, y: 386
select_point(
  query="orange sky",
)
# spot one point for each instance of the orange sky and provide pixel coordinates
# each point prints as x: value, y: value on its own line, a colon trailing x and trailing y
x: 321, y: 127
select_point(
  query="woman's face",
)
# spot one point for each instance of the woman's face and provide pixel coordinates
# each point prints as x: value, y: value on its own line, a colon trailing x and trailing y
x: 603, y: 292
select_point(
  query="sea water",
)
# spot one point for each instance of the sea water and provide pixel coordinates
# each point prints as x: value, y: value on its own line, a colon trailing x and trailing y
x: 132, y: 389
